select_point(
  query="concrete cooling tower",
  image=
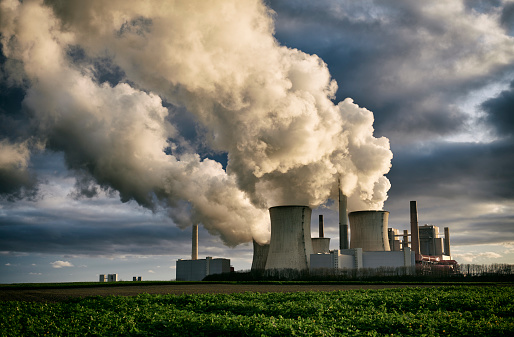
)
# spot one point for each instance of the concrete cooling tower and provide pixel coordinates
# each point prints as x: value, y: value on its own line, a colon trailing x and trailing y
x: 290, y: 244
x: 260, y: 255
x: 369, y: 230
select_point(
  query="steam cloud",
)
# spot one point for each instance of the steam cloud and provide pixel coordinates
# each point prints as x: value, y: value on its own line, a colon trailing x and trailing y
x: 267, y: 106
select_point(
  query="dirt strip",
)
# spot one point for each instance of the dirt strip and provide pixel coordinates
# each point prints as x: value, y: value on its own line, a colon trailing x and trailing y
x: 57, y: 295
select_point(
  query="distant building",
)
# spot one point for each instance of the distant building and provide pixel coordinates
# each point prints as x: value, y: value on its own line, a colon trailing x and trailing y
x: 109, y: 278
x: 196, y: 270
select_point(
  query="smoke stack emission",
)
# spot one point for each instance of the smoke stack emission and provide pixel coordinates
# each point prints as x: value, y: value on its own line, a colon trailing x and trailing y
x: 321, y: 227
x: 343, y: 220
x: 194, y: 253
x: 268, y: 108
x: 447, y: 241
x: 414, y: 229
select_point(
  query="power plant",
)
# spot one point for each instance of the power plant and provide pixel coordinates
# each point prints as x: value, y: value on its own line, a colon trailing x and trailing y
x: 372, y: 244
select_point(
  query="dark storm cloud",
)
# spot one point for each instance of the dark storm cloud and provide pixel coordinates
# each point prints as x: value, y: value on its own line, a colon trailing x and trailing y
x: 90, y: 235
x: 500, y: 112
x: 469, y: 171
x: 486, y: 229
x: 17, y: 185
x: 406, y: 62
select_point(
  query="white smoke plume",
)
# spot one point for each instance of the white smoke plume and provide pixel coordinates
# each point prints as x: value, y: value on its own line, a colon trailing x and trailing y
x: 267, y: 106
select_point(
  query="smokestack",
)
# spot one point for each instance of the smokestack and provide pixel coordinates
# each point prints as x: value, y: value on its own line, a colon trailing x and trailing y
x: 414, y: 230
x: 343, y: 220
x: 194, y: 253
x: 446, y: 241
x: 321, y: 227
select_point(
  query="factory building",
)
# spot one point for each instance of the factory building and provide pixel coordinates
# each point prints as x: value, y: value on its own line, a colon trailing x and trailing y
x: 197, y: 269
x: 372, y: 243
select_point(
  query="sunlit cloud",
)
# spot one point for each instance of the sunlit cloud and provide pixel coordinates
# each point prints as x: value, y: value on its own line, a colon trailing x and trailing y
x: 61, y: 264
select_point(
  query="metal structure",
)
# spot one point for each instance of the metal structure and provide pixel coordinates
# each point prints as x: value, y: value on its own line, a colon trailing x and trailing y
x: 369, y: 230
x: 291, y: 243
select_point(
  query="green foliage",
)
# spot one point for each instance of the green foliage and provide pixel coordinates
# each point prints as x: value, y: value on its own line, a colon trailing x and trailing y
x: 433, y: 311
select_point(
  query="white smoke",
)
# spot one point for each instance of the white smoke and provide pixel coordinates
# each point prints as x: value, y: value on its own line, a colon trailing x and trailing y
x: 267, y: 106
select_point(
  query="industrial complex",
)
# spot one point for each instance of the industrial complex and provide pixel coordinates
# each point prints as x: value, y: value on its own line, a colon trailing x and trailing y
x: 366, y: 243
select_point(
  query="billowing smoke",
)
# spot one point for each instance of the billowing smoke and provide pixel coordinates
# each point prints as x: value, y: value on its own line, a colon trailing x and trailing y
x: 266, y: 106
x: 16, y: 181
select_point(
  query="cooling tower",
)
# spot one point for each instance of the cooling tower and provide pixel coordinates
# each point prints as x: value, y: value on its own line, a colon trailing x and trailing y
x: 260, y: 255
x: 369, y: 230
x: 290, y: 244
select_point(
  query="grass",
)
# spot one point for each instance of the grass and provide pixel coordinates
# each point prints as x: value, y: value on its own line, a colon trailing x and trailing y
x: 441, y: 311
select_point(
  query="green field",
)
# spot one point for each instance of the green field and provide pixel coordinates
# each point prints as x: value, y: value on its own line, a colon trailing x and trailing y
x: 441, y: 311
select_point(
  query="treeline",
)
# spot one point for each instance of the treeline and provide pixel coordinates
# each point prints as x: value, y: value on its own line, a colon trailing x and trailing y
x: 419, y: 273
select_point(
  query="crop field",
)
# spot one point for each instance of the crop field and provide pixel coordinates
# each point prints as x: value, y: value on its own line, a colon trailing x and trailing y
x: 437, y: 311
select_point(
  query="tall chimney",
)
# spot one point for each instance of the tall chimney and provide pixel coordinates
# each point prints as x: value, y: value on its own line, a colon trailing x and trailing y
x: 414, y: 230
x: 343, y: 220
x: 194, y: 253
x: 321, y: 227
x: 446, y: 241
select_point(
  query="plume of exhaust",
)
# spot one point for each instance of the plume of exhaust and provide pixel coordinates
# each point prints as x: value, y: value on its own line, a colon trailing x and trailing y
x: 267, y: 106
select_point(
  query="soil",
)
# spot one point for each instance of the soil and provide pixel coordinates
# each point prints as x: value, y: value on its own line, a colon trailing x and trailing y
x: 58, y: 295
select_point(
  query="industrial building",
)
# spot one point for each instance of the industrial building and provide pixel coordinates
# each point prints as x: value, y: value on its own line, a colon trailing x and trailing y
x: 197, y: 269
x: 372, y: 244
x: 109, y: 278
x: 365, y: 241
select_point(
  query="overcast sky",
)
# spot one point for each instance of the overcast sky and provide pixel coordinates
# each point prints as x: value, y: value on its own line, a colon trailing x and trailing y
x: 123, y: 122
